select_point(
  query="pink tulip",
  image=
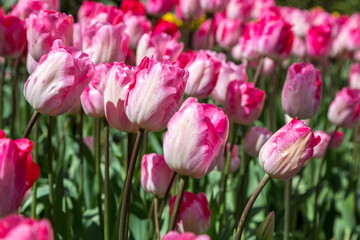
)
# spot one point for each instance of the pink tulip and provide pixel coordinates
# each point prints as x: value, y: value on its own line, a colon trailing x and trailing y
x: 13, y: 36
x: 173, y: 235
x: 188, y: 9
x: 155, y: 174
x: 213, y: 6
x: 118, y: 81
x: 23, y: 8
x: 16, y: 227
x: 208, y: 128
x: 203, y: 74
x: 356, y: 56
x: 298, y: 48
x: 244, y: 102
x: 239, y: 9
x: 229, y: 72
x: 299, y: 19
x: 202, y: 38
x: 354, y: 76
x: 318, y: 41
x: 159, y: 7
x: 234, y: 162
x: 319, y: 16
x: 344, y: 111
x: 268, y: 67
x: 154, y: 94
x: 136, y: 26
x: 162, y: 47
x: 320, y: 149
x: 58, y: 80
x: 259, y: 6
x: 194, y: 214
x: 93, y: 12
x: 135, y: 7
x: 352, y: 32
x: 30, y: 63
x: 302, y: 90
x: 246, y: 48
x: 44, y: 28
x: 274, y: 37
x: 255, y: 139
x: 105, y: 43
x: 17, y: 173
x: 162, y: 26
x: 228, y: 32
x: 284, y: 154
x: 337, y: 140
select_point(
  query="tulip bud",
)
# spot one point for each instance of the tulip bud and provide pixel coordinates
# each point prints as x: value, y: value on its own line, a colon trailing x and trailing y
x: 239, y: 9
x: 136, y: 26
x: 268, y: 67
x: 204, y: 127
x: 155, y: 174
x: 337, y: 139
x: 13, y: 36
x: 255, y: 139
x: 162, y: 26
x: 134, y: 7
x: 302, y: 90
x: 154, y: 94
x: 234, y: 162
x: 228, y: 32
x: 44, y: 27
x: 299, y: 19
x: 266, y: 229
x: 23, y: 8
x: 16, y: 227
x: 156, y: 7
x: 203, y: 37
x: 118, y: 81
x: 284, y: 154
x: 318, y: 41
x: 94, y: 12
x: 58, y: 80
x: 244, y: 102
x: 320, y: 149
x: 213, y: 6
x: 354, y: 76
x: 246, y: 48
x: 194, y: 213
x: 344, y: 111
x: 17, y: 173
x: 188, y: 9
x: 173, y: 235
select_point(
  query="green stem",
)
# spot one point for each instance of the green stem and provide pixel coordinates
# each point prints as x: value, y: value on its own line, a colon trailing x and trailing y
x: 50, y: 167
x: 242, y: 190
x: 107, y: 181
x: 81, y: 157
x: 2, y: 80
x: 167, y: 194
x: 179, y: 197
x: 130, y: 148
x: 151, y: 210
x: 249, y: 205
x: 35, y: 159
x: 156, y: 218
x: 287, y: 199
x: 98, y: 170
x: 14, y: 97
x: 258, y: 70
x: 127, y: 188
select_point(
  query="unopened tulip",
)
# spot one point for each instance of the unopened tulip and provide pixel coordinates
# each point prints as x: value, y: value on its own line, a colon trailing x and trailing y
x: 188, y: 9
x: 194, y: 214
x: 268, y: 67
x: 136, y: 26
x: 228, y: 72
x: 344, y: 111
x: 173, y: 235
x: 228, y: 32
x: 44, y: 28
x: 354, y: 76
x: 266, y: 228
x: 204, y: 129
x: 285, y: 153
x: 155, y: 174
x: 155, y: 94
x: 213, y: 6
x: 255, y: 139
x: 17, y: 173
x: 13, y: 36
x: 159, y: 7
x: 320, y: 149
x: 239, y: 9
x: 244, y: 102
x: 234, y: 162
x: 337, y: 139
x: 23, y: 8
x: 203, y: 74
x: 202, y: 38
x: 58, y: 80
x: 318, y: 41
x: 16, y: 227
x: 246, y: 48
x: 302, y: 90
x: 118, y: 81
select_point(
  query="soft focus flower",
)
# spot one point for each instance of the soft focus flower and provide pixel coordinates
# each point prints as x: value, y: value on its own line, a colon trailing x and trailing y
x: 299, y: 19
x: 239, y: 9
x: 93, y: 12
x: 135, y: 27
x: 213, y: 6
x: 266, y: 229
x: 255, y: 139
x: 30, y: 63
x: 155, y: 94
x: 244, y: 102
x: 234, y: 161
x: 228, y: 32
x: 354, y: 76
x: 302, y: 90
x: 173, y: 235
x: 246, y: 48
x: 284, y: 154
x: 298, y: 48
x: 16, y: 227
x: 58, y: 80
x: 17, y: 173
x: 162, y: 26
x: 320, y: 149
x: 13, y: 36
x: 337, y: 139
x: 159, y: 7
x: 155, y: 174
x: 202, y: 38
x: 194, y: 213
x: 118, y: 81
x: 188, y: 9
x: 44, y: 28
x: 23, y: 8
x: 198, y: 131
x: 352, y: 30
x: 318, y: 41
x: 268, y: 66
x: 228, y: 72
x: 344, y: 111
x: 259, y: 6
x: 134, y: 7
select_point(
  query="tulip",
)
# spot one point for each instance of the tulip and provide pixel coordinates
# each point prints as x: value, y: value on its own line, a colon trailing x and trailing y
x: 204, y: 129
x: 134, y: 7
x: 173, y: 235
x: 202, y: 38
x: 23, y: 8
x: 30, y: 63
x: 344, y: 111
x: 136, y: 26
x: 234, y: 162
x: 320, y: 149
x: 299, y: 19
x: 188, y: 9
x: 203, y: 74
x: 228, y: 32
x: 213, y: 6
x: 94, y: 12
x: 16, y: 227
x: 244, y: 102
x: 194, y: 215
x: 266, y: 228
x: 268, y: 66
x: 154, y: 94
x: 337, y: 139
x: 13, y: 36
x: 352, y: 31
x: 228, y: 73
x: 44, y: 28
x: 284, y: 154
x: 354, y: 76
x: 259, y: 6
x: 255, y: 139
x: 156, y: 7
x: 246, y: 48
x: 118, y: 81
x: 239, y: 9
x: 17, y: 173
x: 105, y: 43
x: 318, y: 41
x: 302, y: 90
x: 155, y: 174
x: 58, y: 80
x: 298, y: 48
x: 162, y: 26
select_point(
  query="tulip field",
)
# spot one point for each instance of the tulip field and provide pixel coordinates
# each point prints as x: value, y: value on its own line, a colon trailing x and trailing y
x: 179, y: 120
